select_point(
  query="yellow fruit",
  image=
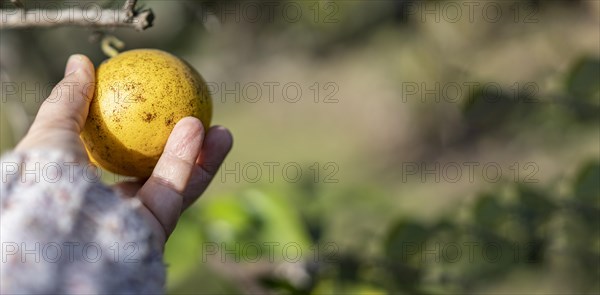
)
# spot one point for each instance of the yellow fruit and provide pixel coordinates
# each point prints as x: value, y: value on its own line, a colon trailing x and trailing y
x: 139, y: 97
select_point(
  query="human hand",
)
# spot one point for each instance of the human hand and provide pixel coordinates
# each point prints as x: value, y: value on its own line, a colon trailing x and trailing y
x: 186, y: 167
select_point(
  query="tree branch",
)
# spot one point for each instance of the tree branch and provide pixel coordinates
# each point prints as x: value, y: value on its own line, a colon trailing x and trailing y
x: 105, y: 18
x: 129, y: 6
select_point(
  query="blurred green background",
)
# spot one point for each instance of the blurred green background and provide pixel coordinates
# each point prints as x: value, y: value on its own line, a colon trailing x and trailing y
x: 407, y: 147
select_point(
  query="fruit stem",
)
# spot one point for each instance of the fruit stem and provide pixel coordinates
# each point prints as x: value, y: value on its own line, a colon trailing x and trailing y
x: 111, y: 45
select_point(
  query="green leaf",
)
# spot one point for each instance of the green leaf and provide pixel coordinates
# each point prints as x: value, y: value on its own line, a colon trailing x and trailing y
x: 488, y: 213
x: 583, y: 85
x: 583, y: 81
x: 587, y: 184
x: 404, y: 237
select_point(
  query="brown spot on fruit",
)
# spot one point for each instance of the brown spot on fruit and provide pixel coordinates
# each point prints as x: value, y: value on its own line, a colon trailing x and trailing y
x: 170, y: 121
x: 139, y: 98
x: 148, y: 117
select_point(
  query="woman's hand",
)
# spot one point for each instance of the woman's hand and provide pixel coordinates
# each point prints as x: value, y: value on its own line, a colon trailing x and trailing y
x: 190, y: 160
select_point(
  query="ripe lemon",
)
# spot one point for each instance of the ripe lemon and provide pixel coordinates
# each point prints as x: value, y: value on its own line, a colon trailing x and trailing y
x: 139, y: 97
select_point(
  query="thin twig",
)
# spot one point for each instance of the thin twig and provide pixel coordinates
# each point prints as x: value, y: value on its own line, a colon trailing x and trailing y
x: 111, y: 45
x: 106, y: 18
x: 17, y: 3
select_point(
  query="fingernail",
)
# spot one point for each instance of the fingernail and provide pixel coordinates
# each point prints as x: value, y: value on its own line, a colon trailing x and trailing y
x: 74, y: 63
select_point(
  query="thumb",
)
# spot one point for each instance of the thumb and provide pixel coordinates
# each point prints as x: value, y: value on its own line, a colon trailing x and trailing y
x: 67, y: 106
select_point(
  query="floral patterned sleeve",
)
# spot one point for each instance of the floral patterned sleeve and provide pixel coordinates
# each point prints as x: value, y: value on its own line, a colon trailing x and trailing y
x: 63, y: 231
